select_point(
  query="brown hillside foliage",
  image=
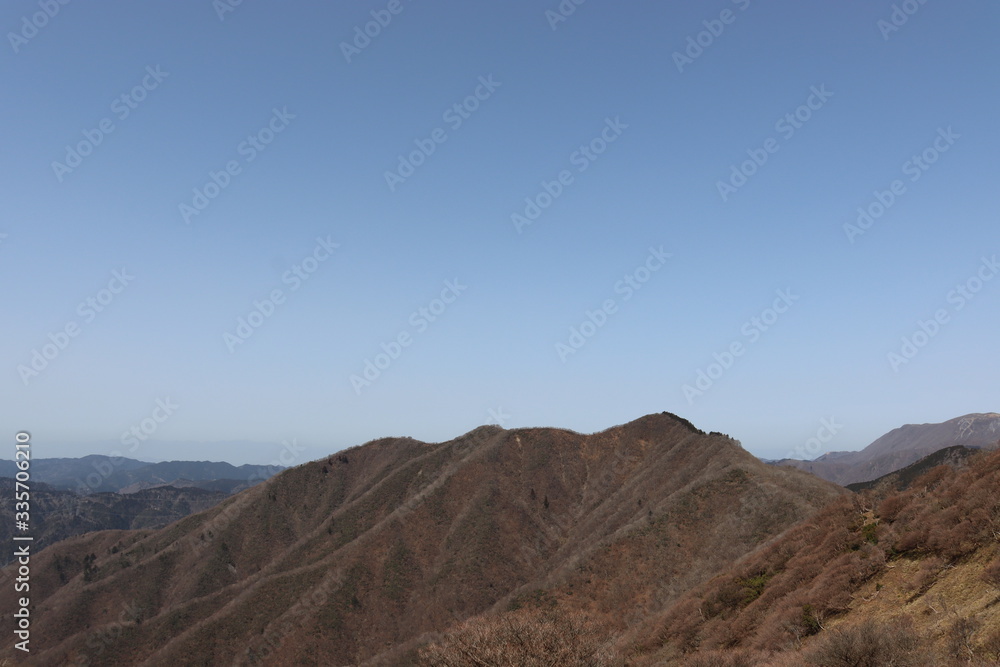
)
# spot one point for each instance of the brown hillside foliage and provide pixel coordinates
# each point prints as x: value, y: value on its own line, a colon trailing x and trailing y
x: 362, y: 556
x: 525, y: 638
x: 780, y: 596
x: 869, y: 645
x: 991, y: 575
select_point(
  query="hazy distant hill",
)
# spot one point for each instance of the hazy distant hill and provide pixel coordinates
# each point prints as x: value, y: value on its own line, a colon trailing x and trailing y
x: 901, y: 447
x: 366, y: 555
x: 95, y: 473
x: 67, y: 472
x: 57, y: 514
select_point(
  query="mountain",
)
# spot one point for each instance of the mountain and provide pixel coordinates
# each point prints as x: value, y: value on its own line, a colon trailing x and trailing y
x: 226, y: 486
x: 366, y: 556
x: 97, y: 473
x: 71, y: 473
x: 901, y: 447
x: 956, y: 457
x: 57, y: 514
x: 884, y: 577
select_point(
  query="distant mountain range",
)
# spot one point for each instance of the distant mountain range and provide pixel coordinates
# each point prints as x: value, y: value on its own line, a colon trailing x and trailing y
x: 901, y: 447
x: 955, y: 457
x: 57, y: 514
x: 96, y: 474
x: 72, y: 496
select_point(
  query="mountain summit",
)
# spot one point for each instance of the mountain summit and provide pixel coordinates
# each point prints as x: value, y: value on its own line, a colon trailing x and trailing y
x: 368, y: 554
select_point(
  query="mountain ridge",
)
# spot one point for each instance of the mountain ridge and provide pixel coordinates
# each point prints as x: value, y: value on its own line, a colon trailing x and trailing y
x: 375, y: 549
x: 901, y: 447
x: 100, y: 473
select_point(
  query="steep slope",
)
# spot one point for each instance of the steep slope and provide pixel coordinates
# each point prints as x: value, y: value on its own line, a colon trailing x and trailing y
x: 925, y: 560
x: 366, y: 555
x: 901, y: 447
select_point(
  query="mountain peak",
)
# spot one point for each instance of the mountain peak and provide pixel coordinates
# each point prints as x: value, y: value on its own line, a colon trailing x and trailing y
x: 905, y: 445
x: 398, y: 538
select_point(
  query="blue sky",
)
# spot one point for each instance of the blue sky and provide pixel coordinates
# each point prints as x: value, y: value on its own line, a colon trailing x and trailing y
x: 615, y: 120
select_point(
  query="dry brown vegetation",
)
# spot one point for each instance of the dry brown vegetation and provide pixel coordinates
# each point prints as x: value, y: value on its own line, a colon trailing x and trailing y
x: 865, y: 570
x: 527, y: 638
x: 650, y: 543
x: 366, y: 555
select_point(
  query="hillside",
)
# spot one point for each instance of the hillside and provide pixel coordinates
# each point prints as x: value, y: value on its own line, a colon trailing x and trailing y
x: 367, y: 555
x: 956, y: 457
x: 901, y: 447
x: 58, y: 514
x: 912, y: 575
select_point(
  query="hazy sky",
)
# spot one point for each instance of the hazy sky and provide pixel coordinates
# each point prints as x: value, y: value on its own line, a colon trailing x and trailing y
x: 675, y: 170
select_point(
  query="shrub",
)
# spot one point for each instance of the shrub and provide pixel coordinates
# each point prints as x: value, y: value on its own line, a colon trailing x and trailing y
x: 932, y: 478
x: 959, y: 638
x: 911, y: 540
x: 867, y: 645
x: 890, y: 508
x: 991, y: 574
x: 733, y: 658
x: 811, y: 622
x: 531, y: 638
x: 754, y: 586
x: 926, y: 575
x: 991, y: 645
